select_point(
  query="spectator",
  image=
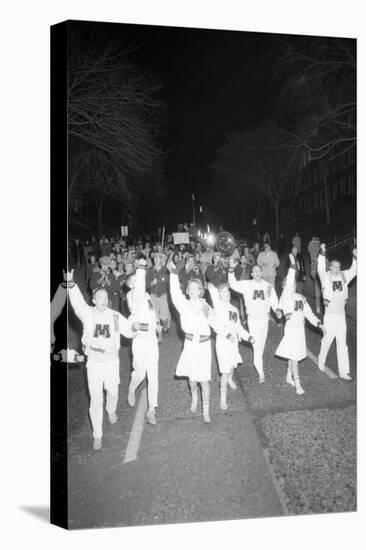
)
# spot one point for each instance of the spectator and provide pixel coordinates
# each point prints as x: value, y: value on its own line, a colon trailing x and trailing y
x: 313, y: 250
x: 216, y: 272
x: 255, y: 251
x: 157, y: 283
x: 300, y: 271
x: 91, y: 268
x: 95, y: 246
x: 296, y: 241
x: 266, y: 239
x: 188, y: 272
x: 269, y: 262
x: 206, y: 259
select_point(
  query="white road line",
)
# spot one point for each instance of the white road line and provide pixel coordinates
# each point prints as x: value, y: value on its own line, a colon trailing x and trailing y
x: 326, y: 370
x: 137, y: 429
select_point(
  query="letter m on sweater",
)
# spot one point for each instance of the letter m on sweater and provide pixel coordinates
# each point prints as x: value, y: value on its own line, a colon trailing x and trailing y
x: 258, y: 295
x: 102, y: 330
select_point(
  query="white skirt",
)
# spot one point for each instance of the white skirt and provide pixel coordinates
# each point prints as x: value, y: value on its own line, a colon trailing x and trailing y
x: 228, y: 355
x: 195, y: 361
x: 293, y: 344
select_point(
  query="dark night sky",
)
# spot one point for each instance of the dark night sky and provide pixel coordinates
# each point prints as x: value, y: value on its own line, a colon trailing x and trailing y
x: 214, y: 82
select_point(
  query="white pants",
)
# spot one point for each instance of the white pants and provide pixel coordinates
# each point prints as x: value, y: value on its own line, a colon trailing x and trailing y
x: 102, y: 375
x: 145, y: 361
x: 259, y: 330
x: 161, y: 307
x: 335, y: 326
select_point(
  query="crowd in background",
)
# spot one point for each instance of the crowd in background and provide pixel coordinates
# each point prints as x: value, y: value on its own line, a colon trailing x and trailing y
x: 108, y: 262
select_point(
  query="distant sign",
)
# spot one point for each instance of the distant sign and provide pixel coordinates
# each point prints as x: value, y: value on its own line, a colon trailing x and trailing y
x: 181, y: 238
x: 124, y: 230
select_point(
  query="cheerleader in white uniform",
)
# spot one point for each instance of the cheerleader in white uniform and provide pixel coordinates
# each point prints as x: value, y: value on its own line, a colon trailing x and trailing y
x: 145, y: 350
x: 260, y: 297
x: 196, y: 317
x: 293, y: 344
x: 227, y: 351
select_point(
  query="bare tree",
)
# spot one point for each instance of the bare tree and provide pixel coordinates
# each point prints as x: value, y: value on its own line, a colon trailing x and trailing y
x: 318, y: 98
x: 259, y: 160
x: 319, y: 94
x: 114, y: 120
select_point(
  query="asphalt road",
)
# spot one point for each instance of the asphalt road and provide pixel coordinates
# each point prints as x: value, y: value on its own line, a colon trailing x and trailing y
x: 271, y: 453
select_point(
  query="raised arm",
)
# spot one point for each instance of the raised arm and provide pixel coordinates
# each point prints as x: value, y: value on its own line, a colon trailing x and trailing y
x: 140, y: 284
x: 214, y: 293
x: 238, y: 286
x: 352, y: 271
x: 178, y: 298
x: 288, y: 292
x: 78, y: 303
x: 322, y: 264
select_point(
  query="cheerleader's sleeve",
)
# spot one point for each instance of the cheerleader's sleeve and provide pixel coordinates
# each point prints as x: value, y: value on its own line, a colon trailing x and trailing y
x: 214, y: 293
x: 322, y: 268
x: 178, y: 298
x: 309, y: 315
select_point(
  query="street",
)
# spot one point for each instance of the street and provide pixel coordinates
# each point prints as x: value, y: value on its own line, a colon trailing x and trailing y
x: 271, y: 453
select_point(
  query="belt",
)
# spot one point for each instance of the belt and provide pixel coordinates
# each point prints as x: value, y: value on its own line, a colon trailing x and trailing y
x: 144, y: 327
x: 203, y: 337
x: 99, y: 350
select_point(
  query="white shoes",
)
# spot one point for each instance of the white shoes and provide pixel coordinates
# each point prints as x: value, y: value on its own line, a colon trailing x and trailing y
x: 150, y: 416
x: 131, y: 399
x: 289, y: 379
x: 345, y: 377
x: 97, y: 444
x: 261, y: 379
x: 112, y: 417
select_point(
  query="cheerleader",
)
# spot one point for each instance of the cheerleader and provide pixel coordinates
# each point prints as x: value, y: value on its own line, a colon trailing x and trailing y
x: 259, y: 297
x: 227, y: 351
x: 293, y: 344
x: 145, y: 350
x: 196, y: 317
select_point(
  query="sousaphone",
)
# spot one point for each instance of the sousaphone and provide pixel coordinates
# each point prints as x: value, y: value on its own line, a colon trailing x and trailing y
x: 225, y: 243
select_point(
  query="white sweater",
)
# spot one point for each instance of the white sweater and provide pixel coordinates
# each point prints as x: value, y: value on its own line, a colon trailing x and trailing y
x: 335, y: 288
x: 101, y: 330
x: 259, y: 297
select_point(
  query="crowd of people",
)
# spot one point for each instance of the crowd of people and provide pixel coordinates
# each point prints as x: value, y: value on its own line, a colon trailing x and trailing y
x: 135, y: 287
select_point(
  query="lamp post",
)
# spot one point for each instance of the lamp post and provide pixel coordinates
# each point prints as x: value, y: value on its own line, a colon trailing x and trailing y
x: 194, y: 212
